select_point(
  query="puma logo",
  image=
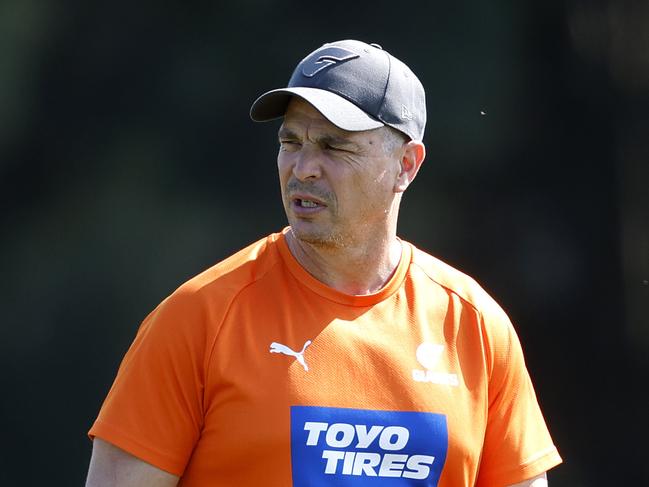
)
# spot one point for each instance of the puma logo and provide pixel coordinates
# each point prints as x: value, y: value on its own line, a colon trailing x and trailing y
x: 299, y: 356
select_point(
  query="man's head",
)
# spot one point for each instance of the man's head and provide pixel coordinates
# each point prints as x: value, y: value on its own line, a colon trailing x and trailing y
x: 350, y: 143
x: 339, y: 187
x: 356, y: 86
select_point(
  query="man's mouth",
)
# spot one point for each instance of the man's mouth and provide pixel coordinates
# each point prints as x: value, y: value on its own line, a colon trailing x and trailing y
x: 304, y: 203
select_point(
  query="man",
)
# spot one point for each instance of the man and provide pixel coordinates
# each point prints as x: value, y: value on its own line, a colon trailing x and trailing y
x: 332, y: 353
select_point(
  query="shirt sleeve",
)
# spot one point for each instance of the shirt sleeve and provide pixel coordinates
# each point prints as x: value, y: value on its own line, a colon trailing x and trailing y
x: 154, y: 409
x: 517, y: 444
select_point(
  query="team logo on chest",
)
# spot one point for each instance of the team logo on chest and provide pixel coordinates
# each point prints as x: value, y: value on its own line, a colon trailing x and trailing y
x: 428, y: 355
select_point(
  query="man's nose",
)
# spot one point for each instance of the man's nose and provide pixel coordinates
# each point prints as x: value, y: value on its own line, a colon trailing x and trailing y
x: 307, y: 164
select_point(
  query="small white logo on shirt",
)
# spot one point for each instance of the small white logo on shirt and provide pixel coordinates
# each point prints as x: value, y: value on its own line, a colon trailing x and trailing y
x: 428, y: 355
x: 299, y: 356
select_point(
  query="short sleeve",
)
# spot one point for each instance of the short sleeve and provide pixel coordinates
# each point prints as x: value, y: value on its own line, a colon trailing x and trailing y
x: 517, y: 444
x: 154, y: 409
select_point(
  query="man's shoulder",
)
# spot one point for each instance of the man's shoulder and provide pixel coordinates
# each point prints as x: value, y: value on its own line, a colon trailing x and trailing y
x: 202, y: 302
x: 237, y: 271
x: 454, y: 281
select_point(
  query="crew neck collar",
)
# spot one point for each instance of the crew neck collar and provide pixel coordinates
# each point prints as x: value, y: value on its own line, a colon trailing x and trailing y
x: 332, y: 294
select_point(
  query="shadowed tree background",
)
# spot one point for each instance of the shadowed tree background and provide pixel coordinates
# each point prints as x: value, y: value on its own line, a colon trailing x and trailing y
x: 128, y: 164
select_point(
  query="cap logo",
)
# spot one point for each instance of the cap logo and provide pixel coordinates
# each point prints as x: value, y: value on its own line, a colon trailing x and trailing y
x: 325, y: 58
x: 405, y: 113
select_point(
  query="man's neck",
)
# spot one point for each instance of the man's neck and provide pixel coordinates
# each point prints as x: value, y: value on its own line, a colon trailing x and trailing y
x: 354, y: 269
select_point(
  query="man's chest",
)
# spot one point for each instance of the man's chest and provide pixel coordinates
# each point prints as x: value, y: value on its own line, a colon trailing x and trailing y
x: 343, y: 395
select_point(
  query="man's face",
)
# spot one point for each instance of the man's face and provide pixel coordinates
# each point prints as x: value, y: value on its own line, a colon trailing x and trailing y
x: 337, y: 186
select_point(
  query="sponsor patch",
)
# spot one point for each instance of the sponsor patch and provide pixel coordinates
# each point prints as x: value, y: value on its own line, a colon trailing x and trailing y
x: 344, y: 447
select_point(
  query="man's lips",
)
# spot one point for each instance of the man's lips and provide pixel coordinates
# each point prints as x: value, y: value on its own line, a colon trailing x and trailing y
x: 304, y: 203
x: 308, y: 201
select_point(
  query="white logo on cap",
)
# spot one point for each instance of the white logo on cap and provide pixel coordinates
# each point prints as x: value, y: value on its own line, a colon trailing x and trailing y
x: 405, y: 113
x: 325, y: 58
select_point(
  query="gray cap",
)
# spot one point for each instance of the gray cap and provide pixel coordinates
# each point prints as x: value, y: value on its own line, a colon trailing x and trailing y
x: 356, y: 86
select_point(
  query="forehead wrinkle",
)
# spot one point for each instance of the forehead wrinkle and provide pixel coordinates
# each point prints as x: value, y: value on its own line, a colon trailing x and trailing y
x: 303, y: 113
x: 318, y: 130
x: 301, y: 121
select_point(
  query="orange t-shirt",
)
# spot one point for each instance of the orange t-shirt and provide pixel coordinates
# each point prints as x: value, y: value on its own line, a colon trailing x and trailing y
x: 255, y: 373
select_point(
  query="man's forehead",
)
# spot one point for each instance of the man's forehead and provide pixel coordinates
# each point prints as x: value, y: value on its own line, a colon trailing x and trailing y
x: 301, y: 114
x: 300, y: 111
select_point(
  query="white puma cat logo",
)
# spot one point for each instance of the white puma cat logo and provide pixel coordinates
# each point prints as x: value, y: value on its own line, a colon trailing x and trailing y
x: 299, y: 356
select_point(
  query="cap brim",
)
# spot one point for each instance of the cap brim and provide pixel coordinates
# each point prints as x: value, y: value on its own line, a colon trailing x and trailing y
x: 339, y: 111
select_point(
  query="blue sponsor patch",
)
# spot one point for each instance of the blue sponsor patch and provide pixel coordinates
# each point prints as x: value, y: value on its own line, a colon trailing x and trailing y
x: 336, y: 446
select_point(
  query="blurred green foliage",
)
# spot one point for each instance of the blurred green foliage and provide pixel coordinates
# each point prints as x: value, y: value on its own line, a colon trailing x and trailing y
x: 128, y: 164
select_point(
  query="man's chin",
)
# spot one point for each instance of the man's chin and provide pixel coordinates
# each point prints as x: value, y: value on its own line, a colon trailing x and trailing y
x: 315, y: 235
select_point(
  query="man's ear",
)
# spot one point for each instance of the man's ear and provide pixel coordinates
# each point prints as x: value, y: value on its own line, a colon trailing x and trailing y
x: 413, y: 155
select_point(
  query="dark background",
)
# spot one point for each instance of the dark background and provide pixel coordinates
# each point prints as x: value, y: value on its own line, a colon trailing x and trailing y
x: 128, y: 164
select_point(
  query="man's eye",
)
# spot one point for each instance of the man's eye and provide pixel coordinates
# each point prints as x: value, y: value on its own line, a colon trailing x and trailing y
x: 334, y: 148
x: 289, y: 143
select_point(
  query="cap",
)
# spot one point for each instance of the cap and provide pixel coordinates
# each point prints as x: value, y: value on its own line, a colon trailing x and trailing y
x: 356, y: 86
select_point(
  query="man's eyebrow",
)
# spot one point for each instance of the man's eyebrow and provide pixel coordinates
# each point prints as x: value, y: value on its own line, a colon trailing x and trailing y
x: 335, y: 140
x: 340, y: 142
x: 326, y: 139
x: 286, y: 133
